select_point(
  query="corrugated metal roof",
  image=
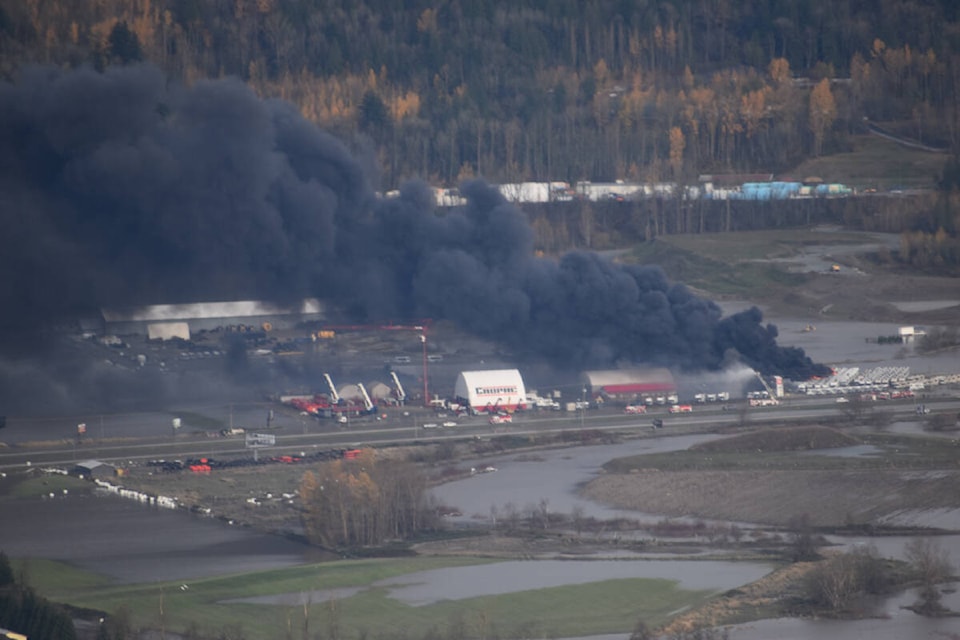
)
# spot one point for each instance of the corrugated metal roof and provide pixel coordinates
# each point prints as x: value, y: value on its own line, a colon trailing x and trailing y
x: 202, y: 310
x: 622, y: 377
x: 491, y: 377
x: 91, y: 464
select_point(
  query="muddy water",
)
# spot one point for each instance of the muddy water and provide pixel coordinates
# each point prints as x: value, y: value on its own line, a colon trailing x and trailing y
x: 891, y: 621
x: 524, y: 481
x: 927, y: 305
x: 554, y: 476
x: 836, y: 342
x: 130, y: 543
x: 564, y: 470
x: 460, y: 583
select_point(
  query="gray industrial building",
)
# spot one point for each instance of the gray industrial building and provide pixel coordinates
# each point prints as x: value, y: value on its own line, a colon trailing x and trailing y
x: 628, y: 384
x: 93, y: 469
x: 164, y: 321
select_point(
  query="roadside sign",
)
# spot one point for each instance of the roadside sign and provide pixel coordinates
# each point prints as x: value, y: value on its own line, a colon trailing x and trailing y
x: 261, y: 440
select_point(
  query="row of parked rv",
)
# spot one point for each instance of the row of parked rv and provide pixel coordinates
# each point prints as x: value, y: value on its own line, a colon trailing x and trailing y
x: 721, y: 396
x: 854, y: 380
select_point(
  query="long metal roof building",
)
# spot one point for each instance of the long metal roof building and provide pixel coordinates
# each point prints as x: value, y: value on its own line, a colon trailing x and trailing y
x: 629, y: 382
x: 207, y: 315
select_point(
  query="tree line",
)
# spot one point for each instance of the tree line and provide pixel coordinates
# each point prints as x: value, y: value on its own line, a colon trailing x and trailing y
x: 365, y: 501
x: 560, y: 226
x: 534, y: 90
x: 24, y: 611
x: 538, y: 90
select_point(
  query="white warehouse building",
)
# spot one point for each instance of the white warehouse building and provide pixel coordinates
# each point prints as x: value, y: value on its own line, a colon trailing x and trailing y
x: 491, y: 391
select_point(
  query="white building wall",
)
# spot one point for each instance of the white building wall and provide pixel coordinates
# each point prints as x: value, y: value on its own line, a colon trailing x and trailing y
x: 492, y: 390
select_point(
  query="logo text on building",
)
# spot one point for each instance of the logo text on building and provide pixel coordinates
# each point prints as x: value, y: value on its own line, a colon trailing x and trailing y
x: 496, y: 391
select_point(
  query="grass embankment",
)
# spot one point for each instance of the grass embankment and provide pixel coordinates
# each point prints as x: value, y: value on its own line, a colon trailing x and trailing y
x: 765, y: 598
x: 777, y: 449
x: 38, y: 486
x: 735, y: 264
x: 611, y: 606
x: 875, y: 162
x: 760, y: 478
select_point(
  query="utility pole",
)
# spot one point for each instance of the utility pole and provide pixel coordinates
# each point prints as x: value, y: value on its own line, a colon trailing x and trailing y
x: 583, y: 406
x: 426, y: 393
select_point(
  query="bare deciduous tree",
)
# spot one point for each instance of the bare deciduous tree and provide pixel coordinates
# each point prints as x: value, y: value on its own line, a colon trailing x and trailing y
x: 836, y: 581
x: 364, y: 501
x: 931, y: 564
x: 833, y: 583
x: 803, y: 544
x: 642, y: 632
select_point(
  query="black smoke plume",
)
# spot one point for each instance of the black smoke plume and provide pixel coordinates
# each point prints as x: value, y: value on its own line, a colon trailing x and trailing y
x: 120, y: 188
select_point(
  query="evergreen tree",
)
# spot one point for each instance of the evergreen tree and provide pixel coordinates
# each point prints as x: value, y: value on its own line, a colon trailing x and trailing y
x: 124, y: 44
x: 7, y: 578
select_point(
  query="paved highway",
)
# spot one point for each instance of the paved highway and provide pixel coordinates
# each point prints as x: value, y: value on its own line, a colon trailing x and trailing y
x: 129, y: 437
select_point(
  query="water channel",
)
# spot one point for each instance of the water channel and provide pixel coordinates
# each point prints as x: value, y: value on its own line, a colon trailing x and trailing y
x: 132, y: 543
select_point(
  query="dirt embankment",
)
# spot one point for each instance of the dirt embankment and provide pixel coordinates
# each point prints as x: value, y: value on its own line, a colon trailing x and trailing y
x: 828, y: 497
x: 870, y: 297
x: 768, y: 593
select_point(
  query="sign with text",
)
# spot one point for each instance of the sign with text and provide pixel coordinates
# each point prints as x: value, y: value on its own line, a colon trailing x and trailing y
x: 261, y: 439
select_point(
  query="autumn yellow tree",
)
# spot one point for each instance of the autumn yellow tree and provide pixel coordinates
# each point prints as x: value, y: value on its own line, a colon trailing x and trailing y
x: 823, y: 111
x: 364, y: 501
x: 677, y: 144
x: 779, y: 70
x: 753, y: 108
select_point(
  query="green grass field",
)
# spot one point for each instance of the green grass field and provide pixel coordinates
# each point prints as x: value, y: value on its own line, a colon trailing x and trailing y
x: 731, y: 263
x: 874, y: 162
x: 612, y: 606
x: 892, y: 451
x: 42, y: 485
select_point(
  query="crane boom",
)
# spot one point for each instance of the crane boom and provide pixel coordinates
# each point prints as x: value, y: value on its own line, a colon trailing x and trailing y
x: 334, y: 396
x: 770, y: 392
x: 401, y: 394
x: 367, y: 402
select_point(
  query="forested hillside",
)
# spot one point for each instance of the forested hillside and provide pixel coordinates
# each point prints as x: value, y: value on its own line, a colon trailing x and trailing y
x: 538, y: 89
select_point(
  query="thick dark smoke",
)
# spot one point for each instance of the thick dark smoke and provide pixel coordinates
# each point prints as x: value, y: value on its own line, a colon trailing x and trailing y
x: 119, y: 189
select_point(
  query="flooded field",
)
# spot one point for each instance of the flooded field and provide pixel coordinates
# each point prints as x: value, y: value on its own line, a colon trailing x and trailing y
x: 925, y: 305
x: 461, y: 583
x: 891, y: 621
x: 130, y: 543
x: 838, y: 342
x: 553, y: 476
